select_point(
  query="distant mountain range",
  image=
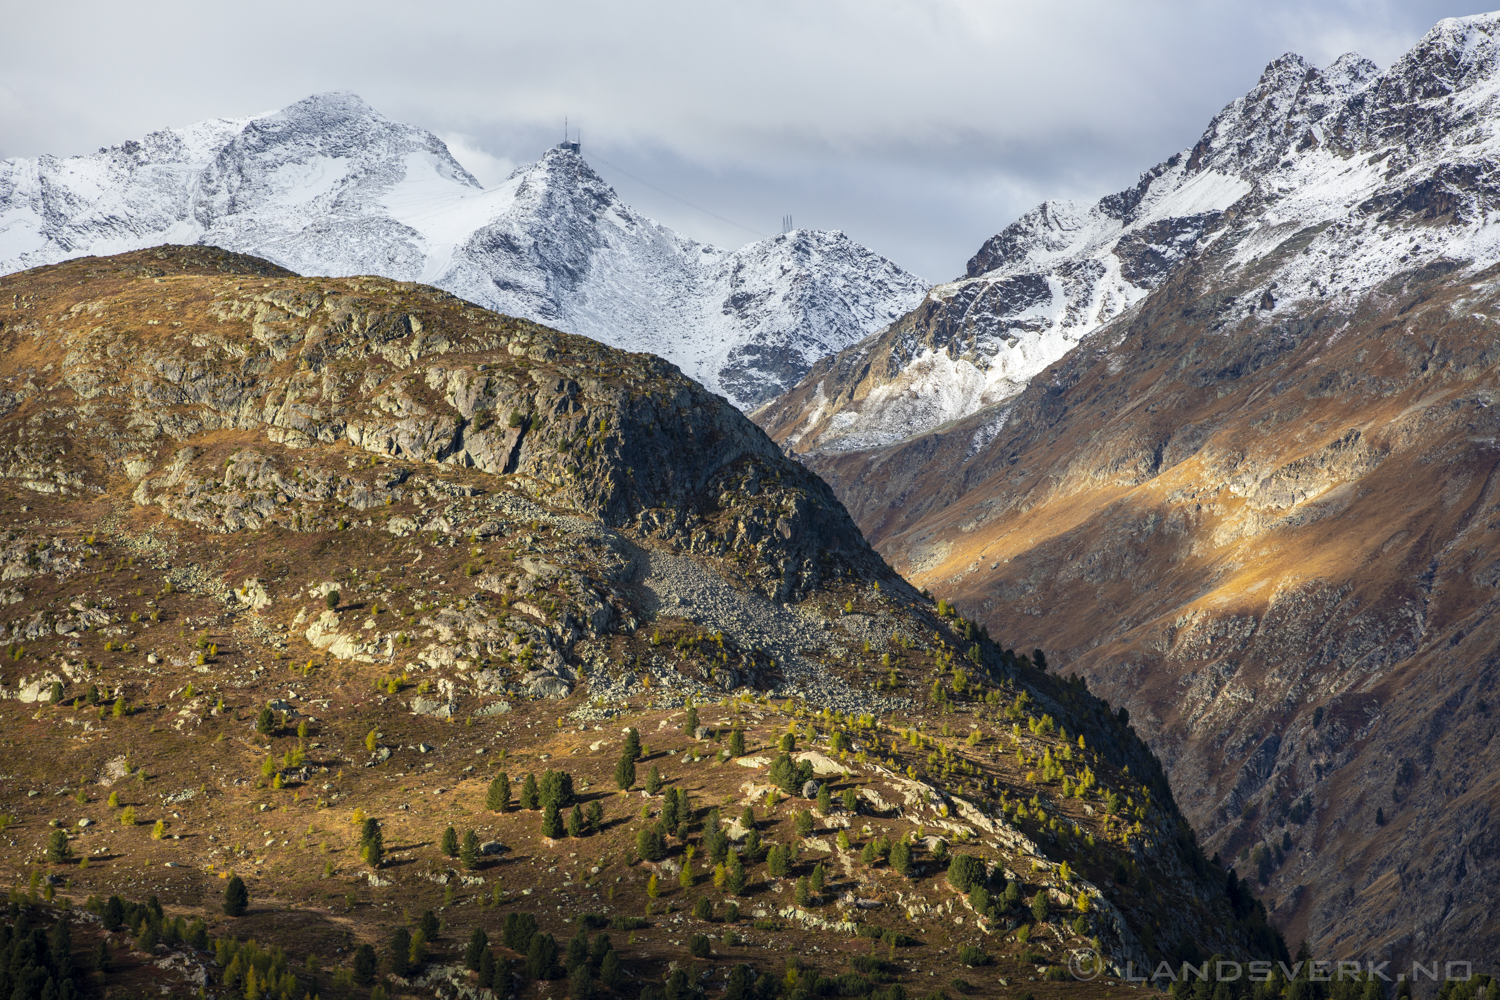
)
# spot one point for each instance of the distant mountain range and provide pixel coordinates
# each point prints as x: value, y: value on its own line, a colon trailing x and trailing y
x: 328, y: 186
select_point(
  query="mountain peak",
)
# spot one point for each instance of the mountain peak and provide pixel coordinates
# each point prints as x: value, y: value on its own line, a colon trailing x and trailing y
x: 1456, y: 54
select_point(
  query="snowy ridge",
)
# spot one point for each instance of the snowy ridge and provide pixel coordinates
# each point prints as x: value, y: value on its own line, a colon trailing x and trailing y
x: 330, y: 186
x: 1370, y: 172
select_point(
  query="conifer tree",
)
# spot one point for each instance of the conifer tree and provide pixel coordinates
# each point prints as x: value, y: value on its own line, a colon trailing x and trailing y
x: 236, y: 897
x: 625, y: 770
x: 498, y: 799
x: 552, y: 825
x: 531, y: 797
x: 468, y: 854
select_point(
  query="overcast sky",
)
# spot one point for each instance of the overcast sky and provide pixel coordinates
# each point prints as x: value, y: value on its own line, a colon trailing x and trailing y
x: 918, y: 128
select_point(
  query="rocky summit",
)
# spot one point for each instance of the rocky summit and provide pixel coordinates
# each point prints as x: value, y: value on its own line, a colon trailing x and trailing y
x: 1254, y: 501
x: 362, y: 641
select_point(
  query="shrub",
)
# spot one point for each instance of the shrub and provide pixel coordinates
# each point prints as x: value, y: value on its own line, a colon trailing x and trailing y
x: 624, y: 923
x: 265, y: 722
x: 332, y: 598
x: 703, y: 909
x: 972, y: 956
x: 698, y: 946
x: 1040, y: 908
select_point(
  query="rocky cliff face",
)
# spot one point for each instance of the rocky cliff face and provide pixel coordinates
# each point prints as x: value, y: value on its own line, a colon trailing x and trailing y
x: 380, y: 509
x: 1254, y: 507
x: 330, y: 186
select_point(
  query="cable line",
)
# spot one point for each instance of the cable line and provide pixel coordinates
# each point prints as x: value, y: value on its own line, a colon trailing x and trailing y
x: 669, y: 194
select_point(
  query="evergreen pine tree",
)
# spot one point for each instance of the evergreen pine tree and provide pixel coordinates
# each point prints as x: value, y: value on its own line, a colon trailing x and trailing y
x: 653, y: 780
x: 468, y: 854
x: 530, y: 796
x: 498, y: 799
x: 575, y: 822
x: 609, y: 971
x: 690, y: 727
x: 236, y: 897
x: 364, y: 965
x: 596, y: 816
x: 400, y: 957
x: 479, y: 943
x: 734, y: 876
x: 577, y: 952
x: 552, y: 826
x: 737, y: 743
x: 58, y: 851
x: 901, y: 857
x: 625, y: 770
x: 632, y: 744
x: 448, y: 843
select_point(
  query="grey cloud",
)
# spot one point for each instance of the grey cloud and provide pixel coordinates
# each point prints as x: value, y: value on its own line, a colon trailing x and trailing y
x: 918, y: 128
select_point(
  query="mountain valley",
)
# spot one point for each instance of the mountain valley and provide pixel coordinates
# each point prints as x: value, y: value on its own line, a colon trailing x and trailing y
x: 1251, y: 500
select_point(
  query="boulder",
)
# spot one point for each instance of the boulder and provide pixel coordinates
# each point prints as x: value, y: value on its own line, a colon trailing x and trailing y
x: 431, y: 706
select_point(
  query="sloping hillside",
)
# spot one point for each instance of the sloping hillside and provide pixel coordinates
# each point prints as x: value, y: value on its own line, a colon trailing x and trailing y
x: 295, y: 569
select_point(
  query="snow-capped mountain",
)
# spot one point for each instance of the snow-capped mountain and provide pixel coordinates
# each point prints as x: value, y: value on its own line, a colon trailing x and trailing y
x: 1330, y: 158
x: 330, y: 186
